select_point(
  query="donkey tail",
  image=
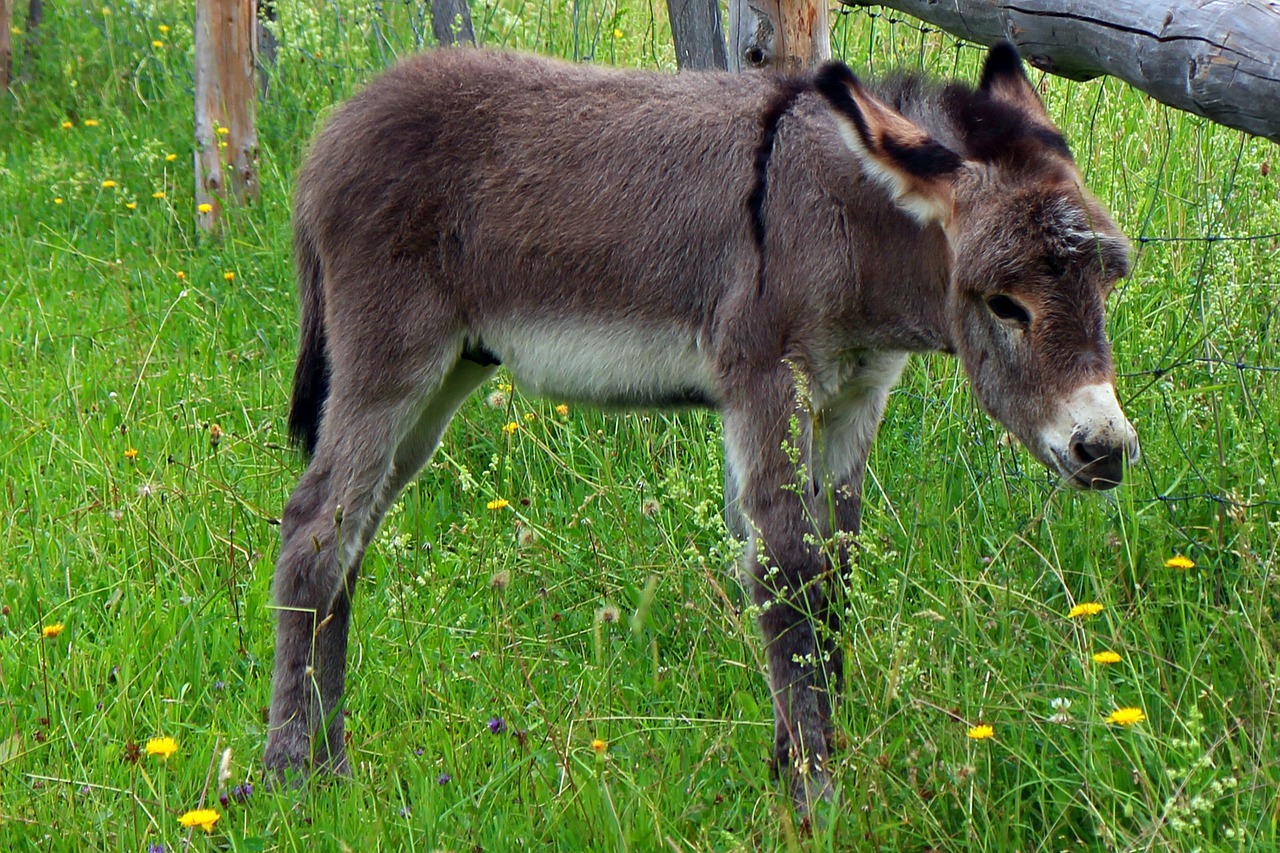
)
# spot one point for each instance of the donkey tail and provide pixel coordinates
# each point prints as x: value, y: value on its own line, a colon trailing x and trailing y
x: 311, y: 374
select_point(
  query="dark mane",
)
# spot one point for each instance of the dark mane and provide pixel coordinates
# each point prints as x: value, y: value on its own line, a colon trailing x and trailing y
x: 970, y: 121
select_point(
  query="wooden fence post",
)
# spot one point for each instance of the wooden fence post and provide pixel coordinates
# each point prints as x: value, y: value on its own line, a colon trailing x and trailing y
x: 6, y: 46
x: 785, y: 34
x: 226, y: 153
x: 451, y: 22
x: 697, y: 33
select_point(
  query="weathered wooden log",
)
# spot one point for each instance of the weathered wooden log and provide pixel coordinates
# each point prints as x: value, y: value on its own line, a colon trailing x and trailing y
x: 226, y: 156
x: 783, y: 34
x: 1216, y: 58
x: 698, y: 34
x: 451, y: 23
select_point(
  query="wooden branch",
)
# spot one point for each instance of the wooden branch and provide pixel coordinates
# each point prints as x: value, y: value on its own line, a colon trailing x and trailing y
x: 226, y: 156
x: 783, y: 34
x: 1216, y: 58
x: 697, y: 33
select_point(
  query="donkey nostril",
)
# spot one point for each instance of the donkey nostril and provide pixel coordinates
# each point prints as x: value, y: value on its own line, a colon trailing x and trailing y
x: 1086, y: 453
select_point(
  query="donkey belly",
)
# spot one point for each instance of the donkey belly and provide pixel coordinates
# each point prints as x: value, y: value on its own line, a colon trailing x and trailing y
x: 612, y: 366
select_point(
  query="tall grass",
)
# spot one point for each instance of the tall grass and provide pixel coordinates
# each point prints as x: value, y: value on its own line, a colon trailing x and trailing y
x: 594, y: 614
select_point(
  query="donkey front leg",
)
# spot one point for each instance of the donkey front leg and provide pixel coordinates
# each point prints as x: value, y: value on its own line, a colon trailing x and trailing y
x: 765, y: 430
x: 843, y: 434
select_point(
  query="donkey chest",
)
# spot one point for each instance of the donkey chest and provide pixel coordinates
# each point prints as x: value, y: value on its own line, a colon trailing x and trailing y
x: 610, y: 365
x: 854, y: 375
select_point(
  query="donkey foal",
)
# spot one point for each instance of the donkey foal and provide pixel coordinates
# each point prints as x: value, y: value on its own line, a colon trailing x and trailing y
x: 771, y: 247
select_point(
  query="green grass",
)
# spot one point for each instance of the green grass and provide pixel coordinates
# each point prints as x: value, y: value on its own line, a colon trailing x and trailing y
x: 119, y: 331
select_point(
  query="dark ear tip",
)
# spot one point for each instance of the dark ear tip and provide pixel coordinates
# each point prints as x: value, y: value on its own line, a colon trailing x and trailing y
x: 834, y: 79
x: 1003, y: 59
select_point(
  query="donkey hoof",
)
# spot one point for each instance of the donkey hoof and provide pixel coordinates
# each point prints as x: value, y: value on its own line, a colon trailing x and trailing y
x: 813, y: 794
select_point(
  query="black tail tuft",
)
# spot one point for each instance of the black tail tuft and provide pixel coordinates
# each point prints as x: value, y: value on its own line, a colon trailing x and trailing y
x: 311, y: 374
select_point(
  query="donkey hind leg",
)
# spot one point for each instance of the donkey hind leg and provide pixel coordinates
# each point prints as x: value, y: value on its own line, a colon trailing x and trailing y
x: 327, y: 524
x: 413, y: 451
x: 788, y: 572
x: 844, y: 433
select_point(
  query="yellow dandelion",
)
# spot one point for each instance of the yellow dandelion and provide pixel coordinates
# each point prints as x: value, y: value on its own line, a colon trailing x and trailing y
x: 58, y: 200
x: 91, y: 122
x: 158, y: 194
x: 131, y: 454
x: 182, y: 276
x: 157, y: 44
x: 162, y: 746
x: 510, y: 427
x: 228, y: 276
x: 15, y: 30
x: 1178, y: 561
x: 203, y: 818
x: 1126, y: 716
x: 498, y: 503
x: 51, y: 631
x: 108, y: 184
x: 1106, y: 657
x: 562, y: 409
x: 66, y: 125
x: 169, y: 158
x: 163, y: 28
x: 131, y: 205
x: 106, y: 11
x: 617, y: 33
x: 598, y: 745
x: 1085, y: 608
x: 205, y: 208
x: 981, y: 732
x: 223, y: 131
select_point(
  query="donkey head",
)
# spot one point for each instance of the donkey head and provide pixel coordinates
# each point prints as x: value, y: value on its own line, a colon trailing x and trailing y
x: 1034, y: 257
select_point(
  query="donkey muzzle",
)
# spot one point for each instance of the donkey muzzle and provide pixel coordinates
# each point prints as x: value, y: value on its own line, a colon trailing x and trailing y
x: 1090, y: 440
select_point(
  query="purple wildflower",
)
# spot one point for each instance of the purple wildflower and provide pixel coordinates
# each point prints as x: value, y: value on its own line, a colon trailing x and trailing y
x: 497, y: 725
x: 444, y: 779
x: 155, y: 848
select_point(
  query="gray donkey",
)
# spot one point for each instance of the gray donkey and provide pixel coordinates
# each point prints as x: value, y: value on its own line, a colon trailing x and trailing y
x: 772, y: 247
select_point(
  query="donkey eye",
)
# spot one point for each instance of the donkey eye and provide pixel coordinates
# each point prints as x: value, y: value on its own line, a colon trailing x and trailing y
x: 1009, y: 310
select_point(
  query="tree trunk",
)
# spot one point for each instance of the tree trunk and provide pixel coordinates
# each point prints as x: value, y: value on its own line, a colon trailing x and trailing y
x: 6, y: 45
x: 697, y: 33
x: 451, y: 22
x: 226, y: 137
x: 1215, y: 58
x: 35, y: 16
x: 784, y: 34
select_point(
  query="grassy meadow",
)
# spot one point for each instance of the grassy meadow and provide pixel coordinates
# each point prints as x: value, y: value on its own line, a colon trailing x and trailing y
x: 572, y: 670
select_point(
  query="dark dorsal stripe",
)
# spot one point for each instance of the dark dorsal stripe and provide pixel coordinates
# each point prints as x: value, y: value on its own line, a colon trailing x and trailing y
x: 789, y: 88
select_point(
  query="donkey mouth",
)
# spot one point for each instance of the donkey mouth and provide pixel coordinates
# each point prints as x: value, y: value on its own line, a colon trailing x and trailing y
x: 1096, y: 476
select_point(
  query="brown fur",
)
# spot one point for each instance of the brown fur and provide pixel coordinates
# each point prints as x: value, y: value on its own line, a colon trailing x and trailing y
x: 630, y: 238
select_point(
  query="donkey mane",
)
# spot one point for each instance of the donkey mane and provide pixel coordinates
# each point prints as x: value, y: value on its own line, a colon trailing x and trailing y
x: 971, y: 121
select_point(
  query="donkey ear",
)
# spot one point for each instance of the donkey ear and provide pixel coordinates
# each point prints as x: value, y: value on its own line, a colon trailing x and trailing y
x: 918, y: 171
x: 1005, y: 79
